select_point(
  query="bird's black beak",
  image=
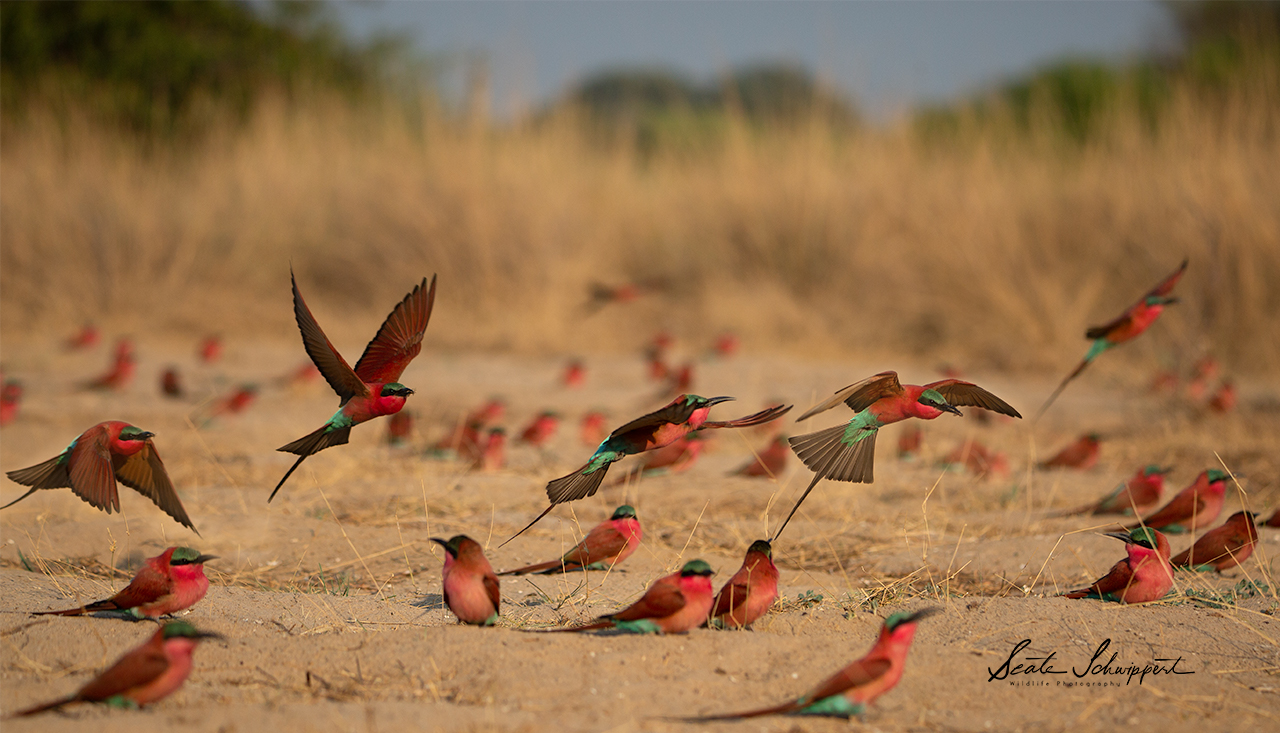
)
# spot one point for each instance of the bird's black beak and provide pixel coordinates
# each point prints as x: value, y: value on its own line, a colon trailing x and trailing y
x: 440, y: 542
x: 1122, y: 536
x: 949, y: 408
x: 718, y: 400
x: 146, y: 435
x: 203, y: 559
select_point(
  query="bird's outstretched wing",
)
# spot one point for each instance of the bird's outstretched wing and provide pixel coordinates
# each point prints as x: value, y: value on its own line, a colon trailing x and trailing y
x: 967, y: 394
x: 92, y: 477
x: 400, y: 337
x: 337, y: 372
x: 145, y: 473
x: 1164, y: 287
x: 859, y: 395
x: 677, y: 412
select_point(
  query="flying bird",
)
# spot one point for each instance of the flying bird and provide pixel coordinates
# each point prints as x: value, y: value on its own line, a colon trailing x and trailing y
x: 167, y: 583
x: 146, y: 674
x: 848, y: 692
x: 607, y: 544
x: 1130, y: 324
x: 674, y: 604
x: 470, y: 588
x: 370, y: 390
x: 847, y: 452
x: 1143, y: 575
x: 105, y: 453
x: 751, y: 591
x: 686, y: 414
x: 1222, y: 548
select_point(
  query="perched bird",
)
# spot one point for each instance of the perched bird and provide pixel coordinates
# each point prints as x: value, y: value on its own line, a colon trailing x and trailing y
x: 847, y: 452
x: 400, y: 428
x: 1136, y: 495
x: 592, y: 430
x: 726, y: 345
x: 146, y: 674
x: 656, y: 356
x: 301, y: 376
x: 10, y: 401
x: 370, y: 390
x: 465, y: 438
x: 1082, y: 454
x: 1224, y: 399
x: 749, y: 593
x: 1274, y: 520
x: 171, y: 383
x: 167, y: 583
x: 1165, y: 381
x: 768, y: 463
x: 909, y: 440
x: 541, y: 430
x: 470, y: 587
x: 86, y: 337
x: 575, y: 373
x: 607, y: 544
x: 674, y: 604
x: 1144, y: 575
x: 679, y: 381
x: 978, y: 459
x: 1130, y: 324
x: 1196, y: 506
x: 211, y: 348
x: 686, y: 414
x: 848, y: 692
x: 105, y: 453
x: 122, y: 369
x: 1206, y: 369
x: 234, y: 403
x: 493, y: 455
x: 676, y: 457
x: 1222, y: 548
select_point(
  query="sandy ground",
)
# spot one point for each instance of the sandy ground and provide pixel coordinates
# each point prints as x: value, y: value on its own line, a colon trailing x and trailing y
x: 330, y: 596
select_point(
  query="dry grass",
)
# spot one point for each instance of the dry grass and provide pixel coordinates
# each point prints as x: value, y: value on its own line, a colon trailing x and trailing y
x: 993, y: 247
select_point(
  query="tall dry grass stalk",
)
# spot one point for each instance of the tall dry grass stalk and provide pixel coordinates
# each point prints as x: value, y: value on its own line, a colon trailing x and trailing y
x: 993, y: 248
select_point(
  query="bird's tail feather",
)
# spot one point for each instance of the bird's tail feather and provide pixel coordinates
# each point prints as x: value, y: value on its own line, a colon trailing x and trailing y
x: 816, y: 478
x: 1074, y: 373
x: 52, y: 474
x: 577, y: 485
x: 541, y: 567
x: 544, y: 513
x: 783, y: 709
x: 307, y: 445
x: 44, y: 707
x: 20, y: 498
x: 826, y: 453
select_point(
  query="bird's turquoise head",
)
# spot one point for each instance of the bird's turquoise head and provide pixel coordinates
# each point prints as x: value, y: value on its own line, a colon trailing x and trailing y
x: 696, y: 567
x: 933, y: 398
x: 395, y: 389
x: 188, y: 556
x: 1154, y: 470
x: 1154, y: 300
x: 132, y: 433
x: 1140, y: 536
x: 626, y: 511
x: 697, y: 402
x: 763, y: 547
x: 904, y: 617
x: 454, y: 544
x: 1214, y: 475
x: 184, y: 630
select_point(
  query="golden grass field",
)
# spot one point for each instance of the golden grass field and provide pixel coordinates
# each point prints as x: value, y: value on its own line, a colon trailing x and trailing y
x: 831, y: 257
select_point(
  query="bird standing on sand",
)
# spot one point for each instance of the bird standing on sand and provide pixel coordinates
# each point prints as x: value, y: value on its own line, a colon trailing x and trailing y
x: 751, y: 591
x: 146, y: 674
x: 167, y: 583
x: 1144, y: 575
x: 607, y: 544
x: 1082, y: 454
x: 1130, y: 324
x: 1135, y: 495
x: 122, y: 369
x: 848, y: 692
x: 470, y: 588
x: 768, y: 463
x: 847, y: 452
x: 1196, y: 506
x: 105, y: 453
x: 674, y: 604
x: 1222, y: 548
x: 686, y: 414
x: 370, y: 390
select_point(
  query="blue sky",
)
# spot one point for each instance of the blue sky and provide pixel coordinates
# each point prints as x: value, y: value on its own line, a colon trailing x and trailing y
x: 887, y: 55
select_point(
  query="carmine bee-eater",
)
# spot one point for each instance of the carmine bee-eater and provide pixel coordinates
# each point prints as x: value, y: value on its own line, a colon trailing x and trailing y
x: 768, y: 463
x: 1082, y: 454
x: 105, y: 453
x: 1274, y: 520
x: 592, y: 430
x: 1222, y: 548
x: 470, y: 587
x: 686, y: 414
x: 1196, y: 506
x: 1130, y: 324
x: 235, y: 402
x: 211, y: 348
x: 726, y: 345
x: 146, y: 674
x: 1206, y: 369
x: 909, y: 440
x: 677, y: 457
x: 575, y: 373
x: 171, y: 383
x: 167, y: 583
x: 122, y: 369
x: 370, y: 390
x: 10, y: 401
x: 400, y: 428
x: 1224, y: 399
x: 980, y: 460
x: 541, y: 430
x: 847, y: 452
x: 493, y: 455
x: 607, y: 544
x: 1144, y: 575
x: 674, y: 604
x: 848, y: 692
x: 86, y: 337
x: 1136, y: 495
x: 751, y: 591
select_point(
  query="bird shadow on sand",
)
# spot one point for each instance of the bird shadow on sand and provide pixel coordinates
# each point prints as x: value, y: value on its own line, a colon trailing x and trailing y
x: 429, y: 601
